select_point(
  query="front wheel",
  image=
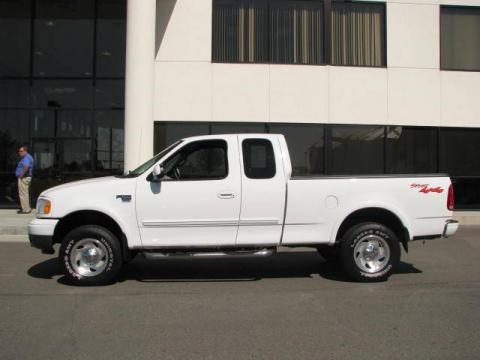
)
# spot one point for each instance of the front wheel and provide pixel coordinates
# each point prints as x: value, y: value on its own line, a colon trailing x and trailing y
x: 90, y: 255
x: 370, y: 252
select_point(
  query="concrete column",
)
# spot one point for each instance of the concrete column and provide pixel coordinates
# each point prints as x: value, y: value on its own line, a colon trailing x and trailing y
x: 139, y: 83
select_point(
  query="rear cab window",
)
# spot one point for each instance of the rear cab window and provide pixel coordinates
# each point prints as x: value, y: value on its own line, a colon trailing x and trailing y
x: 258, y: 159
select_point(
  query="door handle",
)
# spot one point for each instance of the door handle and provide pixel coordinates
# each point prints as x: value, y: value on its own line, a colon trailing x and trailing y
x: 226, y: 195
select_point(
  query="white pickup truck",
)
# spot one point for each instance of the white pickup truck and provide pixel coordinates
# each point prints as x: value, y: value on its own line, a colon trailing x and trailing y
x: 234, y: 195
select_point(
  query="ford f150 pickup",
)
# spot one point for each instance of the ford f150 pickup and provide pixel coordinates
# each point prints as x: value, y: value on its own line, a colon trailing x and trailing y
x: 234, y: 195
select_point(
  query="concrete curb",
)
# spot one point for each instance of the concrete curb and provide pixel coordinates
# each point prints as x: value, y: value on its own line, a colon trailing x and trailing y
x: 13, y: 230
x: 14, y: 238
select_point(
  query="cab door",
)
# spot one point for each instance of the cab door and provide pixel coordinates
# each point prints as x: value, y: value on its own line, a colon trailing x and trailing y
x: 263, y: 191
x: 197, y: 202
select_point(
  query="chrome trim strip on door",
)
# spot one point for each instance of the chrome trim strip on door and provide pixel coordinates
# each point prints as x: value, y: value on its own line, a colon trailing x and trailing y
x: 256, y: 222
x: 187, y: 223
x: 232, y: 222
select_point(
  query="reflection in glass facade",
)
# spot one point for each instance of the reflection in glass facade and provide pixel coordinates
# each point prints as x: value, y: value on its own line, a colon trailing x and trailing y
x: 61, y: 89
x: 323, y: 150
x: 355, y: 150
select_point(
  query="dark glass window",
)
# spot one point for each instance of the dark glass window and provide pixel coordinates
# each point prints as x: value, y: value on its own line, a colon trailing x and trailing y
x: 293, y: 32
x: 200, y: 160
x: 261, y: 31
x: 46, y: 154
x: 467, y: 196
x: 360, y: 150
x: 13, y: 133
x: 77, y: 155
x: 258, y: 159
x: 358, y: 34
x: 109, y: 140
x: 459, y: 37
x: 62, y: 94
x: 166, y: 133
x: 74, y: 123
x: 14, y: 93
x: 15, y: 37
x: 356, y: 150
x: 111, y: 33
x: 459, y: 151
x: 411, y: 150
x: 43, y: 123
x: 62, y: 71
x: 240, y: 31
x: 237, y: 128
x: 305, y: 145
x: 63, y: 45
x: 110, y: 94
x: 297, y: 32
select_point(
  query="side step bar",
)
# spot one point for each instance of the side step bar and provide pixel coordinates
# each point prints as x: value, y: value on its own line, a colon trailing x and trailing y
x: 157, y: 255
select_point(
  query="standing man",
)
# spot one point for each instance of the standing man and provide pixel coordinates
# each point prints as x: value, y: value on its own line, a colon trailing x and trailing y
x: 24, y: 174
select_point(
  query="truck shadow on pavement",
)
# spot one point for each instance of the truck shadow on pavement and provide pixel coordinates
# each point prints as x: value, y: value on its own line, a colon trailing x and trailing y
x: 305, y: 264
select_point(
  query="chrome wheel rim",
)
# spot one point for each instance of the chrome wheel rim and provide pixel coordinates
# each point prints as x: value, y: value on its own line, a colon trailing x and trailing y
x: 89, y: 257
x: 372, y: 254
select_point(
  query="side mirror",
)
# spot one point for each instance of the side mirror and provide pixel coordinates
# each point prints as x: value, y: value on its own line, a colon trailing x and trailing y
x: 157, y: 173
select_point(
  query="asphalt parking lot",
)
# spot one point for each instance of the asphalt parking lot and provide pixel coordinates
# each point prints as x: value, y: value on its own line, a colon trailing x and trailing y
x: 290, y: 306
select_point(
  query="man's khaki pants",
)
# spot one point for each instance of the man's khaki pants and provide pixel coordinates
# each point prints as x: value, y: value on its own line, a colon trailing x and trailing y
x: 24, y: 193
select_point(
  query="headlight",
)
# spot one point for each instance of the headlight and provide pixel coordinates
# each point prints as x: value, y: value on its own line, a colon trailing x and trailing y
x: 44, y: 207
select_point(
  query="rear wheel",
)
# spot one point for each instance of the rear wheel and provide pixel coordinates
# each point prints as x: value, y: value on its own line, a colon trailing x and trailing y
x: 370, y: 252
x: 91, y: 255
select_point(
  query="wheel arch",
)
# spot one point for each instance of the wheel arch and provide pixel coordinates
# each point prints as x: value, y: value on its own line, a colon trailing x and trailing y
x: 90, y: 217
x: 375, y: 214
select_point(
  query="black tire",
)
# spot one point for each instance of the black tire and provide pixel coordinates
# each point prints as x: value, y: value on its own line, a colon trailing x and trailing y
x: 329, y: 253
x: 109, y: 255
x: 353, y: 261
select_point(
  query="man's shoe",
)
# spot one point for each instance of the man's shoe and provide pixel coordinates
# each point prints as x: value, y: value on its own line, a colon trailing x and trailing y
x: 19, y: 211
x: 24, y: 212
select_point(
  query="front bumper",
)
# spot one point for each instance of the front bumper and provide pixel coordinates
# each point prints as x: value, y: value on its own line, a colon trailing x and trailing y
x: 40, y: 234
x: 450, y: 228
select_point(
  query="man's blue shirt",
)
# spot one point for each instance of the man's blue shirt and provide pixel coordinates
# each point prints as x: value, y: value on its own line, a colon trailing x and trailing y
x: 26, y: 160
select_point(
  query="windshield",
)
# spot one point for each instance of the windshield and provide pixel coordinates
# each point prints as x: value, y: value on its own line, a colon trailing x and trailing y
x: 147, y: 165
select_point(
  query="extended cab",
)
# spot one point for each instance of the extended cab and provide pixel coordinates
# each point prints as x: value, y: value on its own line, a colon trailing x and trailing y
x: 234, y: 195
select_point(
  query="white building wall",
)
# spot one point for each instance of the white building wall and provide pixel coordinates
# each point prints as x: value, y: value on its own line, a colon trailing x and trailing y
x: 410, y: 91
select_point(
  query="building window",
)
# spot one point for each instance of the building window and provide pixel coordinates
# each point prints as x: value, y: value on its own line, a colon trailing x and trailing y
x: 459, y: 149
x: 15, y: 37
x: 361, y: 150
x: 63, y: 41
x: 411, y: 150
x: 110, y: 38
x: 237, y: 128
x: 460, y: 31
x: 358, y: 34
x: 296, y: 32
x: 166, y: 133
x: 240, y: 31
x: 355, y: 150
x: 305, y: 145
x: 61, y: 89
x: 109, y: 140
x: 299, y: 32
